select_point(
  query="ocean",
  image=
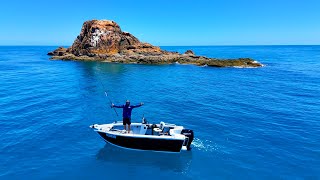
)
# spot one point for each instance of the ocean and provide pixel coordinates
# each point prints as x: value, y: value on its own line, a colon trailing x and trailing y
x: 249, y: 123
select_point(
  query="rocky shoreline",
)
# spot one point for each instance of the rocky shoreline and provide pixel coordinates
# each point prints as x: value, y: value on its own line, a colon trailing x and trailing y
x: 103, y: 40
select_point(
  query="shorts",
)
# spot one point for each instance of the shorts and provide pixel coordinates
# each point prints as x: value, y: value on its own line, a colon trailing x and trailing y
x: 126, y: 121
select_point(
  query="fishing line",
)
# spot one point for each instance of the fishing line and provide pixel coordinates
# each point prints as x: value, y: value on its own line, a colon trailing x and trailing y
x: 106, y: 94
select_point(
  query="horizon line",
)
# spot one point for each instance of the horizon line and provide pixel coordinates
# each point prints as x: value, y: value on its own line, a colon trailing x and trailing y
x: 2, y: 45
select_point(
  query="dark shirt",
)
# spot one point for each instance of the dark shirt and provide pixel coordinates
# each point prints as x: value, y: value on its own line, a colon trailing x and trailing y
x: 127, y: 110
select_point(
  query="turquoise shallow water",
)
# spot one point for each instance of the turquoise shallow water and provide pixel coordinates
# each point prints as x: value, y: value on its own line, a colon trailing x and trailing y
x: 249, y: 123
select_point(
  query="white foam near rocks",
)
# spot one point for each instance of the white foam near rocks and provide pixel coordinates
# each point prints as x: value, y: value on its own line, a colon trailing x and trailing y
x: 247, y: 67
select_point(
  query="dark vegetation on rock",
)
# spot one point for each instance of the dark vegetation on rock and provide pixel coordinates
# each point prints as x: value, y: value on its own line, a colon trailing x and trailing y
x: 103, y: 40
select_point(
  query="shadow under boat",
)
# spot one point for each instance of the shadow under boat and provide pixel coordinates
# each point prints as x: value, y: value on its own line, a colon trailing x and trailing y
x: 178, y: 162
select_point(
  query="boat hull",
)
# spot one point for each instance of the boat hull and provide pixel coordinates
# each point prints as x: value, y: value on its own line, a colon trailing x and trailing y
x: 145, y: 143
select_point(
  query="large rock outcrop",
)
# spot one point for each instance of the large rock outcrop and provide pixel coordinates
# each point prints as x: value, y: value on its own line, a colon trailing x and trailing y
x: 103, y: 40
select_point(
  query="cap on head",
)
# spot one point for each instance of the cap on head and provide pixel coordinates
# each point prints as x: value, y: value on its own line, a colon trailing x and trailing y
x: 127, y: 102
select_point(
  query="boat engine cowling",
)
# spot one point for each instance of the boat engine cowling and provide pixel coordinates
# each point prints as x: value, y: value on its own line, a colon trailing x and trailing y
x: 189, y: 137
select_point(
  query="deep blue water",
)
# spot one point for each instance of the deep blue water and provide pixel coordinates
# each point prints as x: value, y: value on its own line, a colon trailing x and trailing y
x: 254, y: 123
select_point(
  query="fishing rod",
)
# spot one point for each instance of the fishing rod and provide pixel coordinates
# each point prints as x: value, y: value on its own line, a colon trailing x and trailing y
x: 106, y: 94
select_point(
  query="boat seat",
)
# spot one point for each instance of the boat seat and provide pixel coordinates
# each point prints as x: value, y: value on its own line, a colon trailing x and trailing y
x: 157, y: 131
x: 162, y: 124
x: 165, y: 128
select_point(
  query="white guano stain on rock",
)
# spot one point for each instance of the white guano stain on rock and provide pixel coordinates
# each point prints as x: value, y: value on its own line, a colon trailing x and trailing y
x: 96, y: 36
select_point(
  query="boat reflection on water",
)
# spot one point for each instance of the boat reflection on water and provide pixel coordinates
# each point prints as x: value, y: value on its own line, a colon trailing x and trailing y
x: 178, y: 162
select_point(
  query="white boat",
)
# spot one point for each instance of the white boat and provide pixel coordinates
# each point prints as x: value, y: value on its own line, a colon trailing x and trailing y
x: 144, y: 136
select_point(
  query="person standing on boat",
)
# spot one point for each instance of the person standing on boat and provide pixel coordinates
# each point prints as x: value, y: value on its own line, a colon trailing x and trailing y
x: 127, y: 109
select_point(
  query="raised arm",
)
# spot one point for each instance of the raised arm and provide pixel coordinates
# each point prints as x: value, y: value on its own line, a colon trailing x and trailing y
x: 139, y: 105
x: 113, y: 105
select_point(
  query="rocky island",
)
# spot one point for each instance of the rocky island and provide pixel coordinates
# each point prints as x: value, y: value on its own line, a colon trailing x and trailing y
x: 103, y: 40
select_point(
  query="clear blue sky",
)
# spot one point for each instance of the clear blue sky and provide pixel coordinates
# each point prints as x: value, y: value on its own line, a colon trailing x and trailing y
x: 165, y: 22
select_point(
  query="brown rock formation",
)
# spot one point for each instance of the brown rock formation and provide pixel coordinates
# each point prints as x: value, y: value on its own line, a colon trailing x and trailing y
x: 103, y: 40
x: 58, y: 52
x: 189, y: 52
x: 105, y: 37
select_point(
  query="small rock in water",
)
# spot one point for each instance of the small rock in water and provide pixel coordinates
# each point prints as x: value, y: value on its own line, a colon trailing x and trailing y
x: 189, y: 52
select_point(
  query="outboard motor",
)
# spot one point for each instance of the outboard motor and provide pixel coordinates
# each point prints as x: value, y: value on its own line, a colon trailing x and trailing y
x: 189, y: 137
